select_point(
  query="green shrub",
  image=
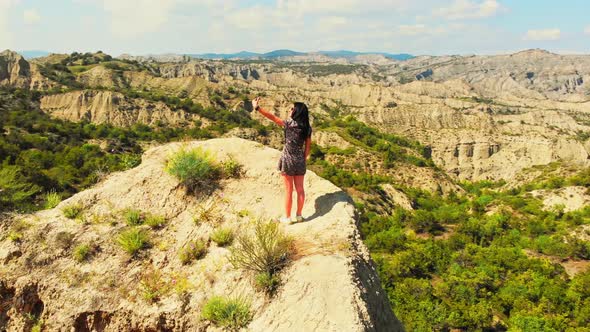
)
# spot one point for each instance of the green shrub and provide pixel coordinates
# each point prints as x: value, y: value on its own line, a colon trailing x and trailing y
x: 193, y: 167
x: 230, y: 313
x: 81, y: 253
x: 265, y: 250
x: 155, y: 221
x: 133, y: 217
x: 223, y: 236
x: 231, y: 168
x: 52, y: 199
x: 133, y: 240
x: 266, y: 282
x: 15, y: 236
x: 193, y: 250
x: 72, y: 211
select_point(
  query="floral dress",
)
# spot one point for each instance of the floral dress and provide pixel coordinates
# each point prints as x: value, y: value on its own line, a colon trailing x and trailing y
x: 292, y: 161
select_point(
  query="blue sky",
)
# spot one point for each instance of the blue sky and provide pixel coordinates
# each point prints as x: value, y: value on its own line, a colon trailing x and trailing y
x: 197, y: 26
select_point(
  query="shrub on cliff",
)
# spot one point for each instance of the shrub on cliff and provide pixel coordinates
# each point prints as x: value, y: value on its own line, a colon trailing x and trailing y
x: 230, y: 313
x: 193, y: 167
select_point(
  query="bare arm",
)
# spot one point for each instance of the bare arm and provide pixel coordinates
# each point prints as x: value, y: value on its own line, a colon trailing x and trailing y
x: 268, y: 115
x: 307, y: 147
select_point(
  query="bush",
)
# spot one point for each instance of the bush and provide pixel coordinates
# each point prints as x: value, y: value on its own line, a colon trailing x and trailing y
x: 81, y: 253
x: 133, y: 240
x: 193, y: 250
x: 231, y: 168
x: 223, y: 236
x: 52, y: 199
x: 133, y: 217
x: 193, y: 167
x: 72, y: 211
x: 155, y: 221
x: 15, y: 236
x: 230, y: 313
x: 265, y: 250
x: 266, y: 282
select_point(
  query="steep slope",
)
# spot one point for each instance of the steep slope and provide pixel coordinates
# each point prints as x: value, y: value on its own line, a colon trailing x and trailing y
x: 113, y: 108
x: 330, y: 286
x: 15, y: 71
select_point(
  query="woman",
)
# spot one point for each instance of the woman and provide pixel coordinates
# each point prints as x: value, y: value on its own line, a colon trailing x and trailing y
x: 292, y: 164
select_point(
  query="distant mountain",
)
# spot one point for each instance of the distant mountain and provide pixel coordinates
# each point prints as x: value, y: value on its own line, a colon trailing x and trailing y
x: 281, y: 53
x: 33, y: 54
x: 286, y: 53
x: 350, y: 54
x: 240, y: 55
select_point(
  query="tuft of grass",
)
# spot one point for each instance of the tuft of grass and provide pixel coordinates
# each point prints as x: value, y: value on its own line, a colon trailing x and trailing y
x: 193, y: 250
x: 231, y: 168
x: 180, y: 283
x: 264, y: 250
x: 81, y: 253
x: 267, y: 282
x: 193, y: 167
x: 207, y: 212
x: 52, y: 199
x: 155, y: 221
x: 223, y: 236
x: 153, y: 285
x: 133, y: 217
x: 133, y: 240
x: 38, y: 327
x: 15, y: 236
x: 230, y: 313
x: 72, y: 211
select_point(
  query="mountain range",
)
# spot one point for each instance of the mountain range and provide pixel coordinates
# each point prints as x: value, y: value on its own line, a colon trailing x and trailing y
x: 31, y: 54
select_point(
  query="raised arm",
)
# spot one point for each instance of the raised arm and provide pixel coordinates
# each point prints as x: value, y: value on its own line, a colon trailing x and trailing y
x: 268, y: 115
x: 307, y: 147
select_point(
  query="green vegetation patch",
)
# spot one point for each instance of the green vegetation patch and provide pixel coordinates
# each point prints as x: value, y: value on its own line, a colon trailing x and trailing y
x: 133, y: 240
x: 230, y: 313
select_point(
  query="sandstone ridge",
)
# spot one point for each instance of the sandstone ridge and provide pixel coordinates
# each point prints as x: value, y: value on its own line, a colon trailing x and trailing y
x: 331, y: 285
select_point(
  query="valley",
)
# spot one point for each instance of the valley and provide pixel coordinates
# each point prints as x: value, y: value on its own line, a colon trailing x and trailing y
x: 469, y: 175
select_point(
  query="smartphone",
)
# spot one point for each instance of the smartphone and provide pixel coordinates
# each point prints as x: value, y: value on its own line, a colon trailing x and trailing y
x: 247, y: 106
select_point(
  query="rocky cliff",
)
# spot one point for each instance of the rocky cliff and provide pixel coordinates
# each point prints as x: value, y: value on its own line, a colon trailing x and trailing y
x: 485, y: 117
x: 331, y: 284
x: 15, y: 71
x: 113, y: 108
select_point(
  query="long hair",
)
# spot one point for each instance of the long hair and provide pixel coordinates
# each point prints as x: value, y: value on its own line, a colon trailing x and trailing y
x: 301, y: 116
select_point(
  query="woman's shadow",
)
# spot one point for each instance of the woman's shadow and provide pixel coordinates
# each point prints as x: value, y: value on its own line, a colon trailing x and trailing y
x: 325, y: 203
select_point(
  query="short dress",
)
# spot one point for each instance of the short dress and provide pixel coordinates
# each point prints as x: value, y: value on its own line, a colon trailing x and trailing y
x: 292, y: 161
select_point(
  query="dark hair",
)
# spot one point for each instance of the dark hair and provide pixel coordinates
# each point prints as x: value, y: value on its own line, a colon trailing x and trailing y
x: 301, y: 116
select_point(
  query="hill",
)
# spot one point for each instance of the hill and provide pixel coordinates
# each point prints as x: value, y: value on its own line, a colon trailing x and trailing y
x: 469, y: 173
x: 330, y: 269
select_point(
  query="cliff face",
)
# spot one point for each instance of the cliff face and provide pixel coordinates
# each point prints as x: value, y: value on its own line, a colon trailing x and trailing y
x: 113, y: 108
x: 485, y: 117
x: 15, y: 71
x: 331, y: 285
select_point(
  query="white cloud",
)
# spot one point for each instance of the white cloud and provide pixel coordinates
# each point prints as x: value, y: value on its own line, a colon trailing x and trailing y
x: 544, y: 34
x: 5, y: 35
x: 587, y: 30
x: 31, y: 16
x: 134, y: 17
x: 468, y: 9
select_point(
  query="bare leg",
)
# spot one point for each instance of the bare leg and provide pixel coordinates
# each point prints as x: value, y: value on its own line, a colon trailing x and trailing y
x: 298, y: 179
x: 288, y: 194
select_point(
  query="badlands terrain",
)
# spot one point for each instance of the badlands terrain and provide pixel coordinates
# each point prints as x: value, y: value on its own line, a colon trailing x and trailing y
x: 468, y: 178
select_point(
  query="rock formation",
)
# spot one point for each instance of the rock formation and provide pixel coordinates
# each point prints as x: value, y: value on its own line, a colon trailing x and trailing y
x: 331, y: 285
x: 113, y: 108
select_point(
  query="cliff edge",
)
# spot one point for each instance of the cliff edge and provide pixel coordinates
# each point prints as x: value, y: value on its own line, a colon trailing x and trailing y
x: 330, y: 284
